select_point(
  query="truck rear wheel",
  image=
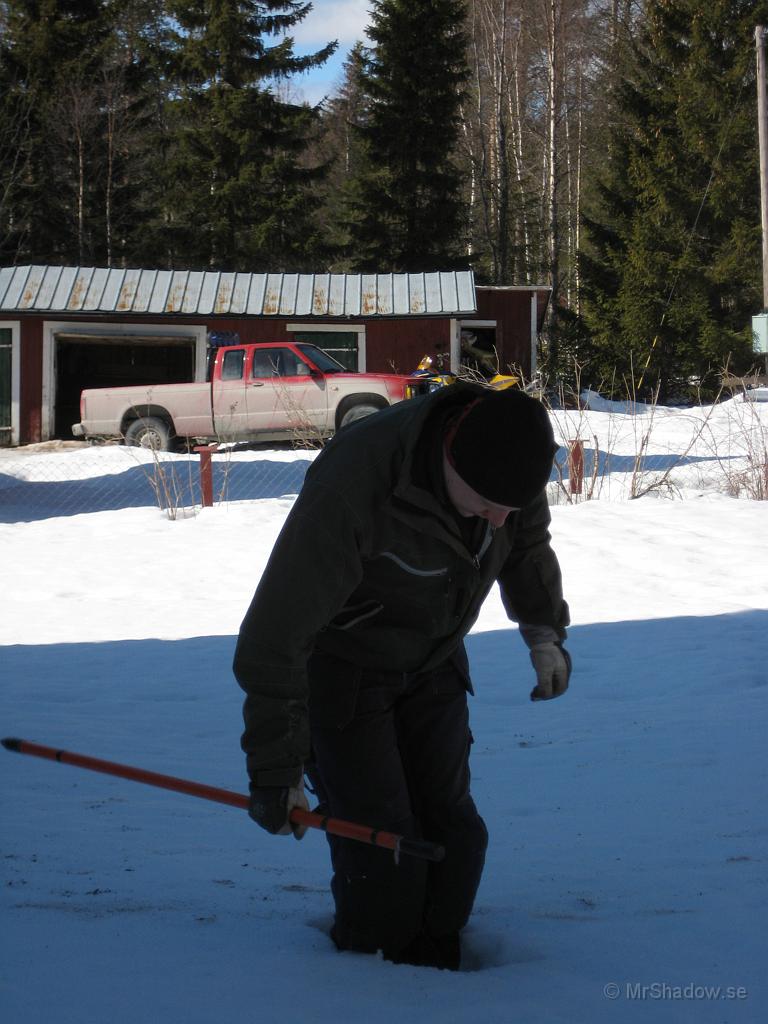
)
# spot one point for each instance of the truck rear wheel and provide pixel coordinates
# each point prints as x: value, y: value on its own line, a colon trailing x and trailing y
x: 150, y: 432
x: 359, y: 409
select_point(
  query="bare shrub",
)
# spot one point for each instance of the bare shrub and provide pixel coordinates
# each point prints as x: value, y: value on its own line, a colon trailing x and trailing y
x: 165, y: 480
x: 742, y: 452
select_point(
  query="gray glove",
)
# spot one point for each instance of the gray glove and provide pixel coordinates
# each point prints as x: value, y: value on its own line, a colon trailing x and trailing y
x: 553, y: 670
x: 270, y: 807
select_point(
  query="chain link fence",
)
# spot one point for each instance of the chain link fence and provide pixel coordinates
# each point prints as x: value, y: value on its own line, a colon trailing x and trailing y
x: 622, y: 453
x: 68, y: 478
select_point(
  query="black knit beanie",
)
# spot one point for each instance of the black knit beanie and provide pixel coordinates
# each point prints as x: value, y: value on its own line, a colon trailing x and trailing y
x: 503, y: 447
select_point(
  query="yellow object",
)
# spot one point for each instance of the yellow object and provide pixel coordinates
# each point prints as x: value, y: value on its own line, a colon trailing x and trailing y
x: 428, y: 380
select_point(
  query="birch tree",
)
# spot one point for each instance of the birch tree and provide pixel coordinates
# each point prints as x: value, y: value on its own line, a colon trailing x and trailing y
x: 15, y: 127
x: 535, y: 83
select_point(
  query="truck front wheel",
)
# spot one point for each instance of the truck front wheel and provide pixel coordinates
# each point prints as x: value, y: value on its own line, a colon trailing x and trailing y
x: 149, y: 432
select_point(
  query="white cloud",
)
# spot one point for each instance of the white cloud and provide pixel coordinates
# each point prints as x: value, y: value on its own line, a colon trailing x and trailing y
x: 309, y: 88
x: 345, y: 20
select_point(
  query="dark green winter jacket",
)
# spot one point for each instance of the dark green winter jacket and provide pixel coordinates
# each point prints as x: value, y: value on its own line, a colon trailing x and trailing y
x: 374, y: 567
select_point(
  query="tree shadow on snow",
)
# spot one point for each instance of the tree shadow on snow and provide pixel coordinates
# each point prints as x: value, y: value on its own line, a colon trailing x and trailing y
x: 59, y: 687
x: 608, y: 462
x: 645, y: 656
x: 139, y: 486
x: 174, y: 707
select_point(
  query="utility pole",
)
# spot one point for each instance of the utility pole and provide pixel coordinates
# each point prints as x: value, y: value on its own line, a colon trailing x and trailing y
x: 760, y: 321
x: 762, y: 124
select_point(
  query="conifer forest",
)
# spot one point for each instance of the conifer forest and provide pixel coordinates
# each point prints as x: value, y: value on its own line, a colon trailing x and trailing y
x: 607, y: 148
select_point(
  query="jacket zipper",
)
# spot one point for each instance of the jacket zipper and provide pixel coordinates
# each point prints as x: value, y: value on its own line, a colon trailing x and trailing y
x: 412, y: 569
x: 487, y: 541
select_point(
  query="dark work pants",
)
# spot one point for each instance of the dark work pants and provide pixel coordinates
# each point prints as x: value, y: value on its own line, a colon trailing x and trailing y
x: 392, y: 751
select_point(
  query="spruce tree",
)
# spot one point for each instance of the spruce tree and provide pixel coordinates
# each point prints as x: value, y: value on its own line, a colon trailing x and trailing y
x: 674, y: 267
x: 339, y: 147
x: 405, y: 204
x: 239, y: 196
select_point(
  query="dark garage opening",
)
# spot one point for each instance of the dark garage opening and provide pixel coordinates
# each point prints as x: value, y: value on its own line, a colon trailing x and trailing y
x: 95, y: 361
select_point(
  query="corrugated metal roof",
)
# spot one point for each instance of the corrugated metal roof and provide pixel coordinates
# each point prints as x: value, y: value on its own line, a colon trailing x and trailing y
x: 42, y: 289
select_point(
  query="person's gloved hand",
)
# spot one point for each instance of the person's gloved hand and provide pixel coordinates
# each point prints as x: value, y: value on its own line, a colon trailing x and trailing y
x: 269, y: 806
x: 553, y: 670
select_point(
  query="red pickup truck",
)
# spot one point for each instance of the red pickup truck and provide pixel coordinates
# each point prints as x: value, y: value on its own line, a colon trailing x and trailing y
x: 264, y: 392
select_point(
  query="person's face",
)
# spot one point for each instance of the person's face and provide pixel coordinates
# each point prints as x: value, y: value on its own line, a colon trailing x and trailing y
x: 468, y: 502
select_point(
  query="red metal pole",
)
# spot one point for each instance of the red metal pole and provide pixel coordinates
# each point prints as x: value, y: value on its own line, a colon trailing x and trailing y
x: 576, y: 466
x: 206, y: 473
x: 334, y: 826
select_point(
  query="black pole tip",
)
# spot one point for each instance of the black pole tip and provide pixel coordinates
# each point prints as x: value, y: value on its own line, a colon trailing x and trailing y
x: 421, y: 848
x: 11, y: 744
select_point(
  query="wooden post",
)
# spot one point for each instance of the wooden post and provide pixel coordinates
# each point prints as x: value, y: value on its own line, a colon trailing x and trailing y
x: 576, y: 466
x: 762, y: 126
x: 206, y: 473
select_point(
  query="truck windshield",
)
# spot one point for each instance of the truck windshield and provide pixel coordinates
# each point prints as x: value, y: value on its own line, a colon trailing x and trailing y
x: 324, y: 362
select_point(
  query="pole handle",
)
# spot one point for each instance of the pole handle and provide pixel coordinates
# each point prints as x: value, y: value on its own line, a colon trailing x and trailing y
x: 334, y: 826
x: 421, y: 848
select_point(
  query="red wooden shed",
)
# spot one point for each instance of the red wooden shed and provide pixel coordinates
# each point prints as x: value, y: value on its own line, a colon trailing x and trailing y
x: 63, y: 329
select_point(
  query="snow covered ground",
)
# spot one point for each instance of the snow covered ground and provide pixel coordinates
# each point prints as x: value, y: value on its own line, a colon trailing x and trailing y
x: 626, y: 874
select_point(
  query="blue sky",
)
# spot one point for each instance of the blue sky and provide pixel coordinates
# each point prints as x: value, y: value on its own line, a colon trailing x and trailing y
x: 344, y: 20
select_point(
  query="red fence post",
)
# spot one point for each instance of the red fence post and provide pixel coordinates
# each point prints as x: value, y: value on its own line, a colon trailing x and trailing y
x: 576, y: 466
x: 206, y: 473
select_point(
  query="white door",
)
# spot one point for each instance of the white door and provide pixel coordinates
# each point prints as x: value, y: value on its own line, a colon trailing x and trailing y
x: 230, y: 407
x: 282, y: 394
